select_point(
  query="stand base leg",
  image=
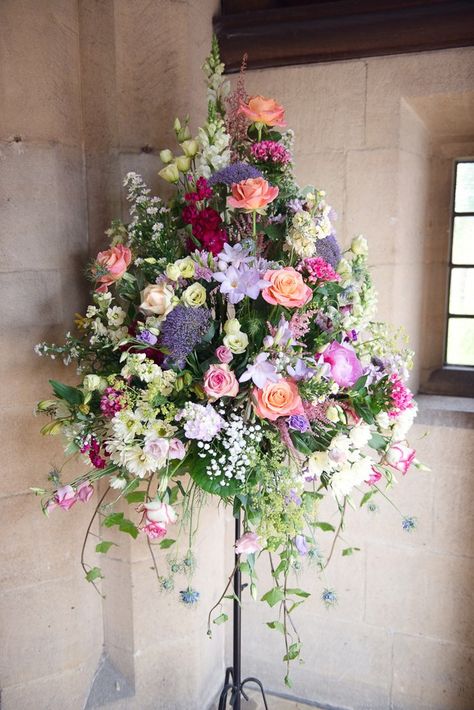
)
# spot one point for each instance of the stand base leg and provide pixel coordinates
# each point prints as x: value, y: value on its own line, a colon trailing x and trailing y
x: 237, y: 690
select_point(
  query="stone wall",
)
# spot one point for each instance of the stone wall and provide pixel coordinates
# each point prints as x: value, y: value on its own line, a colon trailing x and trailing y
x: 89, y: 91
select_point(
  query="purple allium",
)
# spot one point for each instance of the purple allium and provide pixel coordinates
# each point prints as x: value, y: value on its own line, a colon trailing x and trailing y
x: 300, y: 544
x: 328, y: 249
x: 233, y: 173
x: 182, y: 330
x: 298, y: 422
x: 146, y: 336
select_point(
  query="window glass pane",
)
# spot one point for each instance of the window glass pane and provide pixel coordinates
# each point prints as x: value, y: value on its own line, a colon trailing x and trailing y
x: 463, y: 240
x: 460, y: 350
x: 461, y: 293
x: 464, y: 198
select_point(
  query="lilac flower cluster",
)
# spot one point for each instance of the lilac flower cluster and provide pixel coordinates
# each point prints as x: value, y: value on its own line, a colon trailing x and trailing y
x: 328, y: 249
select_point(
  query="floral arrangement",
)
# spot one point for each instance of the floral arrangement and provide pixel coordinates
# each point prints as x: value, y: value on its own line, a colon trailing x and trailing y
x: 230, y: 350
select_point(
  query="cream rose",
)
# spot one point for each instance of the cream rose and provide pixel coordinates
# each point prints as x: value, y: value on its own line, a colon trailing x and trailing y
x: 157, y: 299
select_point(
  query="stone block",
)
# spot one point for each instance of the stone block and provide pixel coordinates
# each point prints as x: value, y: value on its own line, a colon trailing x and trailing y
x: 372, y: 206
x: 431, y: 675
x: 59, y: 537
x: 48, y: 184
x: 346, y: 665
x: 39, y: 301
x: 54, y: 624
x: 324, y: 103
x: 65, y: 690
x: 409, y: 75
x: 420, y: 592
x: 40, y: 81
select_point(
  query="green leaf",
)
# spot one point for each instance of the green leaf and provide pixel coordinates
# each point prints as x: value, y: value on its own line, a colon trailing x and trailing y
x: 294, y: 606
x: 221, y: 619
x: 298, y: 592
x: 349, y: 551
x: 112, y: 519
x: 367, y: 496
x: 377, y: 441
x: 164, y: 544
x: 276, y: 625
x: 128, y: 527
x: 70, y: 394
x: 136, y: 497
x: 288, y: 682
x: 282, y: 567
x: 104, y: 546
x: 325, y: 527
x: 244, y: 567
x: 293, y: 652
x: 273, y: 596
x: 253, y: 591
x: 94, y: 573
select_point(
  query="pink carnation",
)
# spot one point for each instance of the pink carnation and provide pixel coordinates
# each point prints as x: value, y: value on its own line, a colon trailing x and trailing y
x: 318, y: 270
x: 400, y: 396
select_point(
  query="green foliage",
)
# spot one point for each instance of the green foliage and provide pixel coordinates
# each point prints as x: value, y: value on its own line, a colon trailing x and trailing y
x: 104, y: 546
x: 93, y: 574
x: 273, y: 596
x: 221, y: 619
x: 71, y: 395
x: 166, y: 543
x: 124, y: 525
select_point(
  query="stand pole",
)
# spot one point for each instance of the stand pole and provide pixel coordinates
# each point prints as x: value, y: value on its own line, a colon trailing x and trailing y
x: 233, y: 675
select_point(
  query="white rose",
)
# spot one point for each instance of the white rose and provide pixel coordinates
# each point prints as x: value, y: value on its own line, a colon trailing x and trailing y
x: 157, y: 299
x: 194, y: 296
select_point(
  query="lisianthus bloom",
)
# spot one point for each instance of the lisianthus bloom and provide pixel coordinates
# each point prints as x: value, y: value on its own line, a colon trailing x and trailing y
x: 65, y: 497
x: 220, y: 381
x: 374, y: 477
x: 248, y: 543
x: 264, y: 111
x: 158, y: 512
x: 114, y: 262
x: 154, y: 531
x: 287, y: 288
x: 400, y: 457
x: 277, y: 399
x: 84, y: 492
x: 252, y: 195
x: 345, y: 366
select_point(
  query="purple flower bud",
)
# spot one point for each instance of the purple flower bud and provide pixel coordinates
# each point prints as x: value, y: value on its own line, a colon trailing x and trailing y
x: 300, y: 544
x: 298, y: 422
x: 145, y: 336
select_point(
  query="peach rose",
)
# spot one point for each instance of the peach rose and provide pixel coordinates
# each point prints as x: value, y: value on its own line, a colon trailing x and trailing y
x: 157, y: 299
x: 287, y: 288
x: 277, y: 399
x: 264, y: 111
x: 252, y: 194
x: 220, y: 381
x: 115, y: 261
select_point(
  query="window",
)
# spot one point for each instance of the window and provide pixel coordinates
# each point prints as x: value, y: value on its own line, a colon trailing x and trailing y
x: 459, y: 350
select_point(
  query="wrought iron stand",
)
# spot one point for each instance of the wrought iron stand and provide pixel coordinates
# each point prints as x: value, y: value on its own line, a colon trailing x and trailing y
x: 233, y: 682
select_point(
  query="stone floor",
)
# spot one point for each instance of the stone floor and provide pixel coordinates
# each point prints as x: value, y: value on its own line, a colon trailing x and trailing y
x: 274, y: 703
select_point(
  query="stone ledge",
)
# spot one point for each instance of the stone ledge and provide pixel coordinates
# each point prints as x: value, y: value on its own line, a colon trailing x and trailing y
x: 445, y: 411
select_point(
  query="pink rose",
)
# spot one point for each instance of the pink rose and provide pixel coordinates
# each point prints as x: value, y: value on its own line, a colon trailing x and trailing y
x: 223, y: 354
x: 345, y: 367
x: 265, y: 111
x: 277, y: 399
x: 247, y: 544
x: 374, y: 477
x: 252, y: 194
x: 158, y: 512
x: 400, y: 457
x: 84, y: 492
x: 115, y: 261
x: 287, y: 288
x: 154, y: 530
x: 65, y: 497
x: 220, y: 381
x: 177, y: 449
